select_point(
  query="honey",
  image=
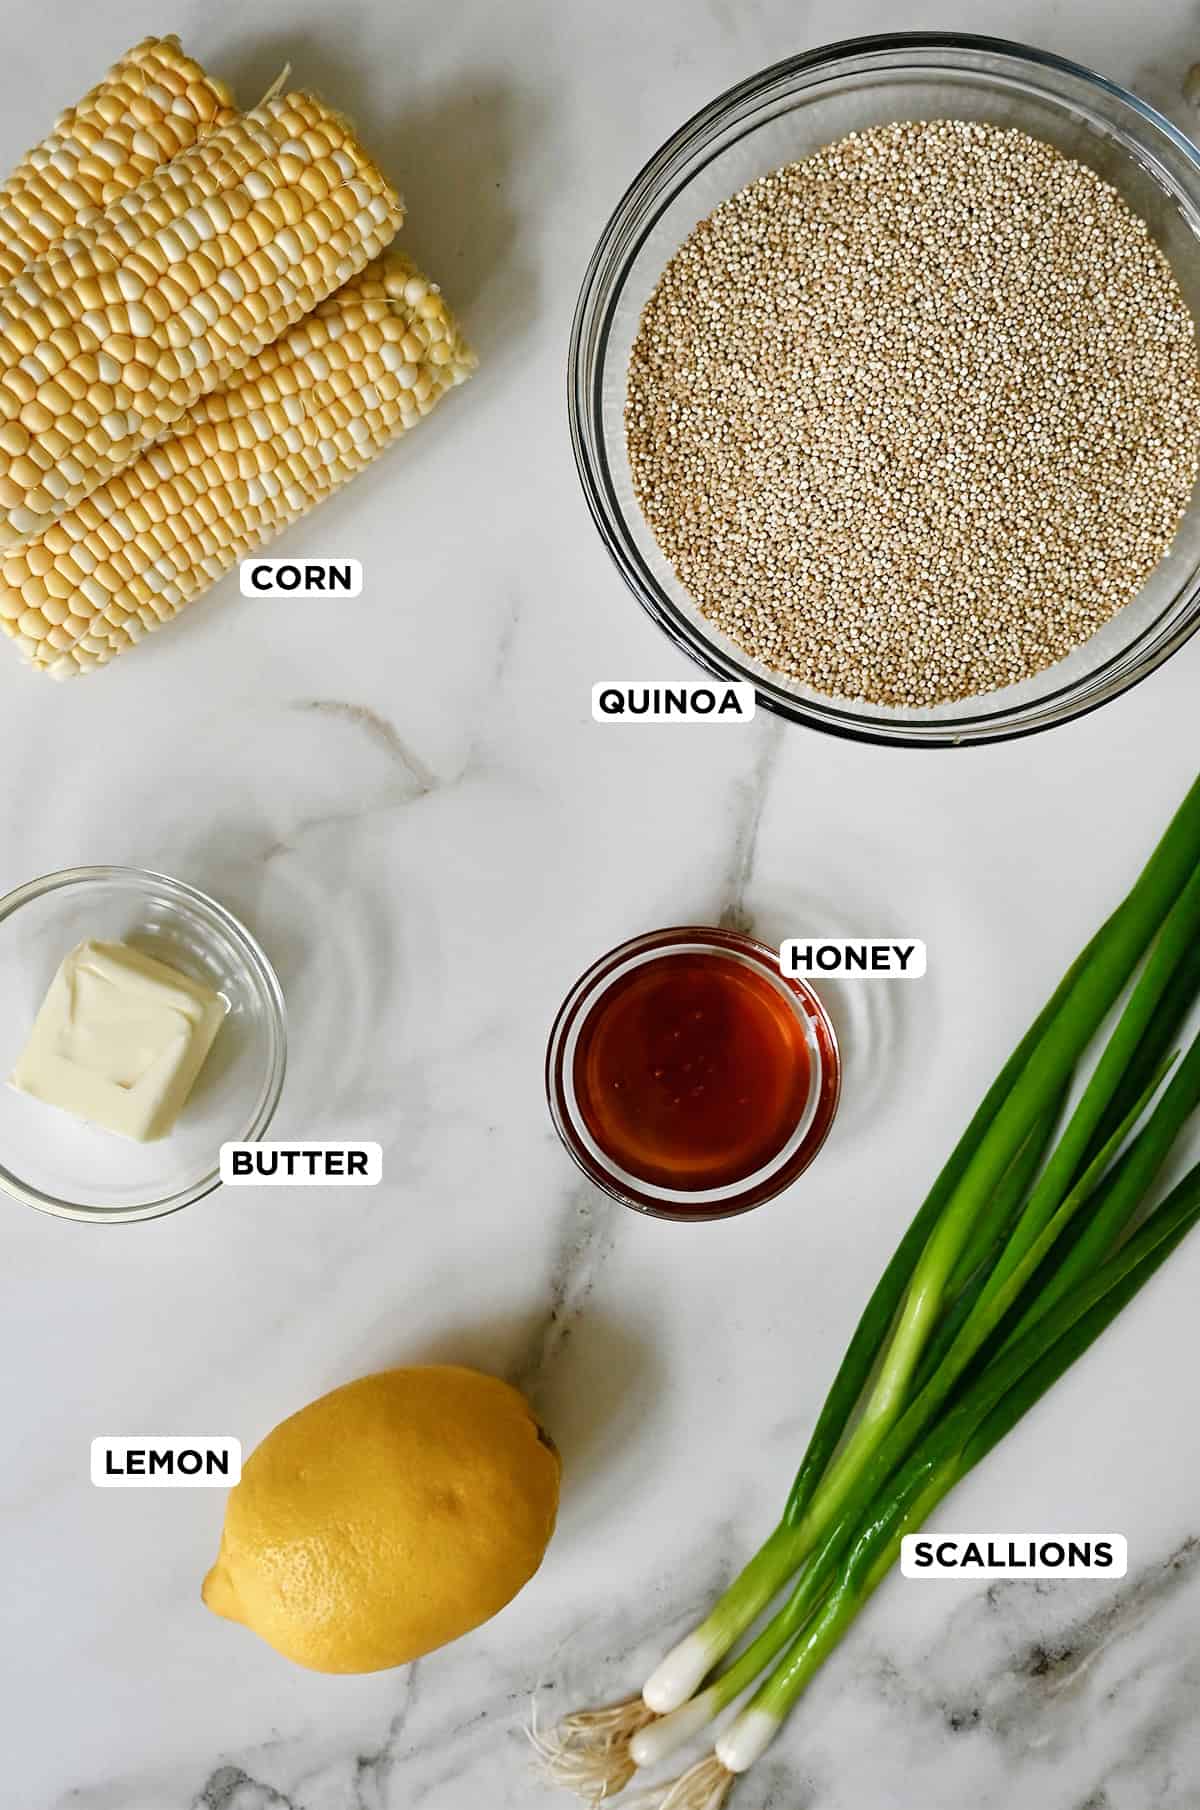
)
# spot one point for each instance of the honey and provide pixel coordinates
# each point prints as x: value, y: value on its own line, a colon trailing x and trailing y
x: 688, y: 1077
x: 692, y: 1070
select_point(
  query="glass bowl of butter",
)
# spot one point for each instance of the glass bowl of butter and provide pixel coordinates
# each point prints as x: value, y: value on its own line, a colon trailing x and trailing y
x: 141, y: 1027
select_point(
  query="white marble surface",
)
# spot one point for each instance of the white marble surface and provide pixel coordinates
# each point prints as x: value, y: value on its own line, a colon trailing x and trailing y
x: 412, y: 807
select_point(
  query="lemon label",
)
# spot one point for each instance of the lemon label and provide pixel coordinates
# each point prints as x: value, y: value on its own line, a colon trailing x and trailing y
x: 166, y: 1461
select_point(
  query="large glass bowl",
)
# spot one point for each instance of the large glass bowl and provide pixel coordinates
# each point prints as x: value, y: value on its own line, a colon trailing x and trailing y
x: 56, y: 1162
x: 781, y: 115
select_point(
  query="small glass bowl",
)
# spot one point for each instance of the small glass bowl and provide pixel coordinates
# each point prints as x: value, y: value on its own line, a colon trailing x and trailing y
x: 825, y: 1078
x: 55, y: 1162
x: 783, y: 114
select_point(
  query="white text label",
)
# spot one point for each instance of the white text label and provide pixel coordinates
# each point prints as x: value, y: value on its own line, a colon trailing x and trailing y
x: 302, y: 578
x: 1012, y: 1555
x: 877, y: 958
x: 302, y: 1165
x: 165, y: 1461
x: 682, y: 701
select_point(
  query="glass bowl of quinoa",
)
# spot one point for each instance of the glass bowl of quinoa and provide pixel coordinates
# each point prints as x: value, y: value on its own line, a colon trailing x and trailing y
x: 885, y: 389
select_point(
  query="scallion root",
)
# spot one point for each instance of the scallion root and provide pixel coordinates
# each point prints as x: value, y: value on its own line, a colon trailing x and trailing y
x: 704, y: 1786
x: 588, y: 1752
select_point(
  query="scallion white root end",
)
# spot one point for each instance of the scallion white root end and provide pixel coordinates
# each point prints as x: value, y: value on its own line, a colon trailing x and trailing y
x: 665, y: 1734
x: 747, y: 1739
x: 588, y: 1752
x: 704, y: 1786
x: 681, y: 1673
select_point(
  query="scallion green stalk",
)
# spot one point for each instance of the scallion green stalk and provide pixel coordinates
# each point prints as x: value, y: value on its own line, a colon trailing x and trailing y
x: 987, y: 1240
x: 1160, y: 1036
x: 997, y: 1219
x: 1178, y: 936
x: 1123, y: 1192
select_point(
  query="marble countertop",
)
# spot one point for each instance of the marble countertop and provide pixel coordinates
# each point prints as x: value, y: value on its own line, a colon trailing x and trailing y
x: 414, y: 810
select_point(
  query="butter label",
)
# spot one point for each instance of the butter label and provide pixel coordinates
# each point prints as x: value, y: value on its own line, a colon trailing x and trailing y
x: 672, y: 701
x: 1013, y: 1555
x: 319, y: 1164
x: 301, y: 579
x: 165, y: 1461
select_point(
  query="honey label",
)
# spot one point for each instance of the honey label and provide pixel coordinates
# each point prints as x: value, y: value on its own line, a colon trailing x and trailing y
x: 853, y: 958
x: 1013, y: 1555
x: 671, y: 701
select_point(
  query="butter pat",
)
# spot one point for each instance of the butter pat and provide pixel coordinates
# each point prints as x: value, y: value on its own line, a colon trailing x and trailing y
x: 119, y: 1040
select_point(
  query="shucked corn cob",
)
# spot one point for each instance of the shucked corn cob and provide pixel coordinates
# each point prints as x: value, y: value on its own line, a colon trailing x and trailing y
x: 69, y: 629
x: 307, y: 414
x: 152, y: 104
x: 122, y: 327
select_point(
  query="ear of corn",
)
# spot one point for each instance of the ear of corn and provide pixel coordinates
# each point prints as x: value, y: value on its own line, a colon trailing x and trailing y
x: 152, y: 104
x: 306, y: 415
x: 296, y: 421
x: 122, y: 327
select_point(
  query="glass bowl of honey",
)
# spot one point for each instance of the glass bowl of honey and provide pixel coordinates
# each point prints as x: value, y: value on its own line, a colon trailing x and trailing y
x: 688, y: 1077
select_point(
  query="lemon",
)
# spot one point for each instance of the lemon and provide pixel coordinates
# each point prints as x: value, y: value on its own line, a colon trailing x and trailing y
x: 387, y: 1518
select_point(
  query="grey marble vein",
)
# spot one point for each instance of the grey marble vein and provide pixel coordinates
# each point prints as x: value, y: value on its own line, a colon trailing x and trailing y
x: 585, y: 1235
x: 381, y: 731
x: 746, y: 822
x: 229, y: 1788
x: 373, y: 1771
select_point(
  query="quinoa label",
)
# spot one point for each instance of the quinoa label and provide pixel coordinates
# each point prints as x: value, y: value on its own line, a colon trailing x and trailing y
x: 313, y: 1164
x: 166, y: 1461
x: 672, y: 701
x: 301, y: 578
x: 1013, y: 1555
x: 866, y: 958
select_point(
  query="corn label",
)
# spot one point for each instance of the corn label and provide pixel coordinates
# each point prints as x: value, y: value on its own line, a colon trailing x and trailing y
x: 301, y: 579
